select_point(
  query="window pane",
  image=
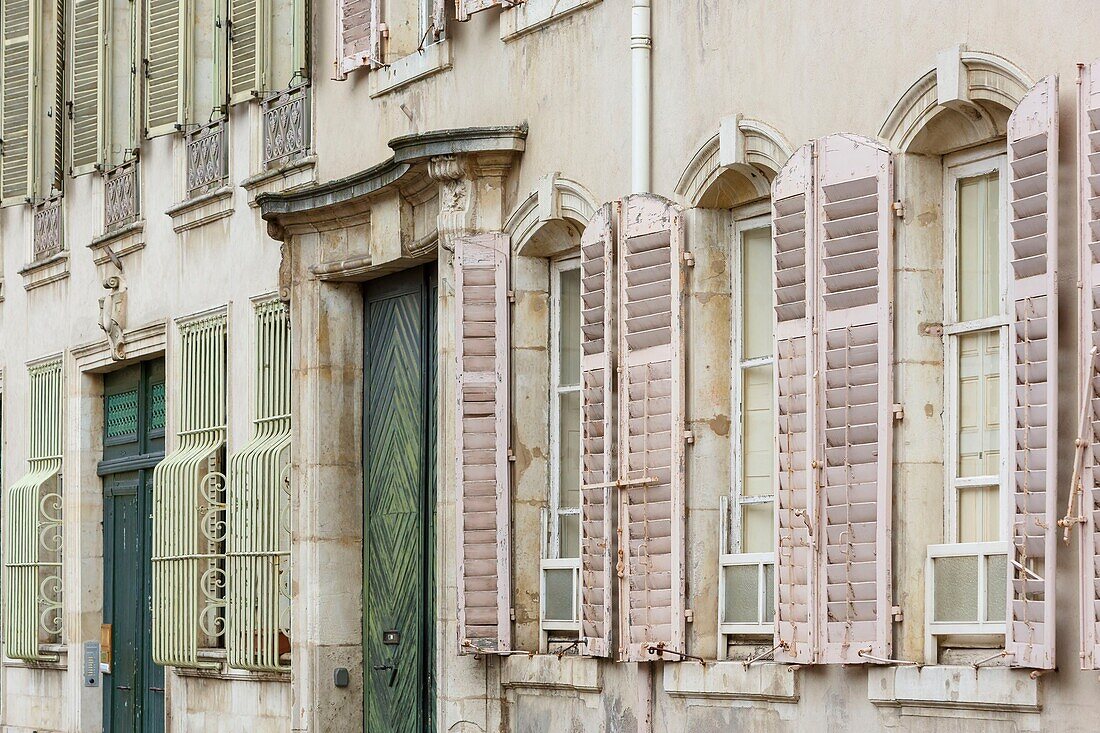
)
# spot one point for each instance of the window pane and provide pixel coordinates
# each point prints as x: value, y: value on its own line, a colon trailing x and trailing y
x: 740, y: 606
x: 757, y: 431
x: 769, y: 593
x: 558, y: 604
x: 569, y: 535
x: 978, y: 285
x: 979, y: 429
x: 756, y: 294
x: 979, y: 514
x: 569, y: 320
x: 996, y: 582
x: 956, y: 580
x: 757, y: 528
x: 569, y: 451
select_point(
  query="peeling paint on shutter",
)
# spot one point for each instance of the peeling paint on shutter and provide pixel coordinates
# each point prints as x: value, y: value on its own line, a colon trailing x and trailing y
x: 247, y: 63
x: 465, y: 8
x: 853, y: 405
x: 481, y: 443
x: 439, y: 18
x: 87, y: 62
x: 792, y: 228
x: 1089, y: 468
x: 651, y: 425
x: 358, y: 33
x: 598, y: 415
x: 15, y: 168
x: 164, y: 63
x: 1033, y: 237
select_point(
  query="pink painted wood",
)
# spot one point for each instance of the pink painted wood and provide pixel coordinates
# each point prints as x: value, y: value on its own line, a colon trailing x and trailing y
x: 651, y: 428
x: 465, y: 8
x: 1089, y: 321
x: 358, y: 35
x: 792, y: 223
x: 598, y: 466
x: 482, y: 490
x: 1033, y: 235
x: 853, y: 398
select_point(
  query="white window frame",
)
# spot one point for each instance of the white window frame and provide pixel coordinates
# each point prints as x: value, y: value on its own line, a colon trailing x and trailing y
x: 983, y: 626
x: 551, y: 551
x: 731, y: 516
x: 962, y: 166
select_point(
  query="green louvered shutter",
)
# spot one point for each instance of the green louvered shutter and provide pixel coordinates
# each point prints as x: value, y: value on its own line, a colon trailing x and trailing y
x: 164, y: 43
x: 87, y: 62
x: 15, y: 164
x: 247, y: 48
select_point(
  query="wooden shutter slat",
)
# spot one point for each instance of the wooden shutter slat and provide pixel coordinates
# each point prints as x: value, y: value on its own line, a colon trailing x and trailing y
x: 465, y: 8
x: 598, y: 406
x: 248, y: 24
x: 15, y: 168
x: 792, y: 228
x: 853, y: 396
x: 481, y: 443
x: 358, y: 35
x: 164, y: 42
x: 87, y: 60
x: 1033, y: 236
x: 651, y: 426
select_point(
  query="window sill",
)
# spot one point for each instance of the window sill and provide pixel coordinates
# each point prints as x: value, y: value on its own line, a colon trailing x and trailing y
x: 999, y: 689
x: 761, y: 681
x: 224, y: 672
x: 59, y: 650
x: 285, y: 177
x: 201, y: 210
x: 546, y: 671
x: 123, y: 241
x: 420, y: 65
x: 534, y: 15
x: 44, y: 272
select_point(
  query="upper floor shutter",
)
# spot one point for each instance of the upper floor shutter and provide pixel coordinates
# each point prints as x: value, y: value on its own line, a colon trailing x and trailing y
x: 1088, y: 468
x: 482, y: 490
x: 598, y: 425
x: 15, y: 166
x: 87, y: 64
x: 651, y: 427
x: 853, y: 395
x: 248, y: 21
x: 792, y: 227
x: 165, y: 21
x: 358, y: 34
x: 465, y: 8
x: 1033, y: 248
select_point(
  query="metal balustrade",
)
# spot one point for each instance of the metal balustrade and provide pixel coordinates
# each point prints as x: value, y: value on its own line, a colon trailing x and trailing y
x: 286, y: 127
x: 48, y: 232
x: 121, y: 202
x: 207, y: 157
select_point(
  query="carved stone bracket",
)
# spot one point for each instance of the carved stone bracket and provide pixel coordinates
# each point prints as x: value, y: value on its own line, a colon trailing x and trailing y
x: 471, y: 193
x: 112, y: 314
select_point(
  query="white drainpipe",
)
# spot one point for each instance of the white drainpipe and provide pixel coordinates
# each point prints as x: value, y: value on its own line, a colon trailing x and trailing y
x: 641, y: 47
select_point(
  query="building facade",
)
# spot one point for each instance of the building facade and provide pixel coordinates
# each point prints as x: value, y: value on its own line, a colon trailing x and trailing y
x: 557, y: 365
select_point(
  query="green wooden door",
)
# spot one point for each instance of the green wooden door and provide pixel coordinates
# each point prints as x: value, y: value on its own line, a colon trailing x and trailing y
x: 398, y: 502
x: 133, y: 443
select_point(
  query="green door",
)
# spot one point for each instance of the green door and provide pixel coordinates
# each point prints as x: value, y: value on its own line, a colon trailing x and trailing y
x: 398, y: 502
x: 133, y: 442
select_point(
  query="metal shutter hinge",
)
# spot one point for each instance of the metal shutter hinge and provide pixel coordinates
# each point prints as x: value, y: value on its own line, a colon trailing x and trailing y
x: 689, y: 437
x: 895, y: 611
x: 689, y: 259
x: 689, y: 615
x: 899, y: 209
x: 932, y: 329
x: 511, y: 456
x: 899, y: 411
x: 511, y: 296
x: 512, y: 613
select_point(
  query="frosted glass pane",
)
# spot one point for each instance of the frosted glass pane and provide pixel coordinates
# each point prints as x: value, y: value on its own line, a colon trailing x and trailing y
x: 996, y: 581
x: 569, y: 535
x: 741, y: 604
x: 979, y: 514
x: 769, y: 593
x: 978, y: 247
x: 756, y: 294
x: 558, y: 604
x: 758, y: 528
x: 956, y: 580
x: 569, y: 452
x: 979, y: 408
x: 757, y: 432
x: 569, y: 320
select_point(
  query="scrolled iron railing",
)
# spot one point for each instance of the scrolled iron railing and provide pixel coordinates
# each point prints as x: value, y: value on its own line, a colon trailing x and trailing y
x: 207, y: 157
x: 48, y: 233
x: 286, y: 126
x: 121, y: 202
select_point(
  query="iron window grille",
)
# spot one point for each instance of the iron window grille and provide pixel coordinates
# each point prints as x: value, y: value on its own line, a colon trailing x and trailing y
x: 207, y: 157
x: 286, y: 126
x: 121, y: 195
x: 48, y: 230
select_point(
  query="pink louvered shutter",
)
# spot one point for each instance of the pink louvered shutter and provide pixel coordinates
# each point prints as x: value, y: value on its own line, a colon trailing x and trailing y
x: 651, y: 428
x: 481, y: 443
x: 1033, y: 235
x: 598, y: 413
x: 1088, y: 470
x: 358, y: 35
x: 853, y: 191
x: 465, y: 8
x: 792, y: 223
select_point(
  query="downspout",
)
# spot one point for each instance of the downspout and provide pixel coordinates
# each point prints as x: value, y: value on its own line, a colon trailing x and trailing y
x: 641, y: 93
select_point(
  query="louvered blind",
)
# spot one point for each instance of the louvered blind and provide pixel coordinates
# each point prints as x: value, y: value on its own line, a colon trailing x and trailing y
x: 53, y: 114
x: 1089, y: 161
x: 1033, y: 188
x: 33, y: 539
x: 792, y: 226
x: 598, y: 464
x: 853, y: 405
x: 481, y: 443
x: 258, y: 510
x: 247, y: 47
x: 465, y: 8
x: 15, y: 165
x: 164, y: 62
x: 359, y: 38
x: 189, y: 529
x: 651, y: 427
x: 87, y: 61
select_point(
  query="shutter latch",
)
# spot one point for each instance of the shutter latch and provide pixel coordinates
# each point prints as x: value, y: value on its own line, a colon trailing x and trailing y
x: 689, y: 259
x: 899, y: 209
x: 899, y: 411
x: 689, y: 437
x: 895, y: 611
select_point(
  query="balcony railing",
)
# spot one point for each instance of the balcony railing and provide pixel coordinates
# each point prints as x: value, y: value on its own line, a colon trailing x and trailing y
x: 121, y: 205
x: 207, y: 158
x: 48, y: 237
x: 286, y: 127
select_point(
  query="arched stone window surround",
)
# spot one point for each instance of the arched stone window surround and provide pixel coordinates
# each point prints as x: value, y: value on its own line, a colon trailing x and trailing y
x: 550, y: 220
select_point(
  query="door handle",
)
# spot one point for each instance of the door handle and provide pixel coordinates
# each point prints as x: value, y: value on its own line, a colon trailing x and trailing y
x: 123, y: 687
x: 391, y: 667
